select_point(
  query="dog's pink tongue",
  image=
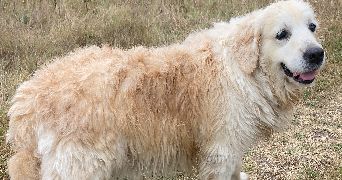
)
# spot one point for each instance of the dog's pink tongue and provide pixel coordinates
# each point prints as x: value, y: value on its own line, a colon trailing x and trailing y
x: 309, y: 75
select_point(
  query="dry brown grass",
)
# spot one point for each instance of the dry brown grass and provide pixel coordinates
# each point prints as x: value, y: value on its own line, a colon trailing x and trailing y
x: 33, y: 32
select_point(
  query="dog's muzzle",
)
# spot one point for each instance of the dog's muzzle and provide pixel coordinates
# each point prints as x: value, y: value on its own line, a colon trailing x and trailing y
x: 314, y: 58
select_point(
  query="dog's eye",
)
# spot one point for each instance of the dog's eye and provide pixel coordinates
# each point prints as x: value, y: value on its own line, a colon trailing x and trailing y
x: 312, y: 27
x: 283, y: 34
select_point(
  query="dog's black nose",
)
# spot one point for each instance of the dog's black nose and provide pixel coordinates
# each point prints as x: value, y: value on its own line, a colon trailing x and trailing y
x: 314, y: 55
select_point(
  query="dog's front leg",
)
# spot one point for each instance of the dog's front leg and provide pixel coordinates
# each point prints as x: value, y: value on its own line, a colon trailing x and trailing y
x: 237, y: 172
x: 221, y: 166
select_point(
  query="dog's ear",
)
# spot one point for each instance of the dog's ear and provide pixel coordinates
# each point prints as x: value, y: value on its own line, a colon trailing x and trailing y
x: 246, y: 46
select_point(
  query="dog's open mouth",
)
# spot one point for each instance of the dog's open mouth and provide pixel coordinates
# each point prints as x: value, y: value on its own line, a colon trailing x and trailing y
x: 304, y: 78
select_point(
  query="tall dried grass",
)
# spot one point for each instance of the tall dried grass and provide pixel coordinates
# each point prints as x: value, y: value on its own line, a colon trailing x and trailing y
x: 35, y: 31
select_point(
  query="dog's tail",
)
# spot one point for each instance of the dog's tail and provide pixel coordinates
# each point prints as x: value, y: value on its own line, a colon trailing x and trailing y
x: 24, y: 165
x: 22, y: 136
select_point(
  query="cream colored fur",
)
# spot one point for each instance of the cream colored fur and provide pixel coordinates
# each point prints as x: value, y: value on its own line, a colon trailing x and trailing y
x: 194, y: 107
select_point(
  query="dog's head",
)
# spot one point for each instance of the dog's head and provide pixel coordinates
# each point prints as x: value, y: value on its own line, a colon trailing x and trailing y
x: 283, y: 40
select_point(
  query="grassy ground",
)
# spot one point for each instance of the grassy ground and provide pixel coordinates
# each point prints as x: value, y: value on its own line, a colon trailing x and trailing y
x: 33, y: 32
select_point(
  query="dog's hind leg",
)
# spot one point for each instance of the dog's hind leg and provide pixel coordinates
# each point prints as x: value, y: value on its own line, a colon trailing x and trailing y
x: 24, y: 165
x: 72, y: 159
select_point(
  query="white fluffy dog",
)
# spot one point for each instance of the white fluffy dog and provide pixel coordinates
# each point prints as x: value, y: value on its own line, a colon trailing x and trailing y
x: 194, y: 107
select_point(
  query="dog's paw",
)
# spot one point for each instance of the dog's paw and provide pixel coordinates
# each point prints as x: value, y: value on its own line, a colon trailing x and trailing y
x: 244, y: 176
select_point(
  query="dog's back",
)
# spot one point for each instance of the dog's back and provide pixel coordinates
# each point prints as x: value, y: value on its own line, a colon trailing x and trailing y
x: 97, y: 98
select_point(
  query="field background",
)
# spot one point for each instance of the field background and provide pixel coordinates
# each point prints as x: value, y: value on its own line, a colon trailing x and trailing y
x: 32, y: 32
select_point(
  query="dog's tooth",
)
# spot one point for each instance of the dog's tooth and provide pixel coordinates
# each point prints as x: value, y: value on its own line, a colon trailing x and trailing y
x: 295, y: 74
